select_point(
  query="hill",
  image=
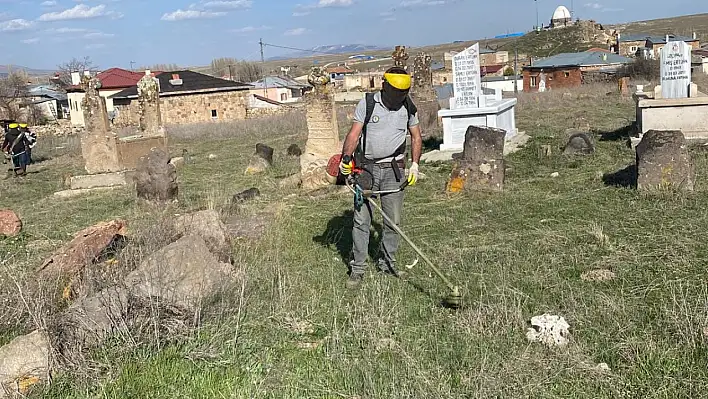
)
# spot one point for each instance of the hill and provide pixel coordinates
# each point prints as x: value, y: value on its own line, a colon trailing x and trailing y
x: 335, y: 49
x: 5, y: 69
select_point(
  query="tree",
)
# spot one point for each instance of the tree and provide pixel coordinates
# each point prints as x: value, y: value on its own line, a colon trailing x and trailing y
x: 75, y: 65
x: 242, y: 71
x: 508, y: 71
x: 13, y: 94
x: 161, y: 67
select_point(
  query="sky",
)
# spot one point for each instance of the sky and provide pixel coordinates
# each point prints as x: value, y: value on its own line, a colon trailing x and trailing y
x: 44, y: 33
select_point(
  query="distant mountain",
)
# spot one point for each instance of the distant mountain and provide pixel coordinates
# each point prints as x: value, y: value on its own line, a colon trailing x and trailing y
x: 335, y: 49
x: 5, y: 69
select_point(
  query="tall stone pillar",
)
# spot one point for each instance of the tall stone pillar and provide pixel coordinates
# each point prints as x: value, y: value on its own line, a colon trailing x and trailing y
x: 98, y: 143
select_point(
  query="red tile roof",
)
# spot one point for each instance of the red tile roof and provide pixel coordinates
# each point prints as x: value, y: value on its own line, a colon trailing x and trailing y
x: 116, y: 78
x: 485, y: 69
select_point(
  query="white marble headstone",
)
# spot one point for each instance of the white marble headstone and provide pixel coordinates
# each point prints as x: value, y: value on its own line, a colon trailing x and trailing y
x: 466, y: 78
x: 675, y: 69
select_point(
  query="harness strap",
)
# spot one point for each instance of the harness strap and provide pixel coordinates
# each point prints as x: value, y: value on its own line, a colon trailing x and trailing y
x: 360, y: 155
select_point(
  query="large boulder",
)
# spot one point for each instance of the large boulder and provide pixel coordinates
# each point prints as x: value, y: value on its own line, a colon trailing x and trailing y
x: 481, y: 165
x: 579, y: 142
x: 663, y: 161
x: 10, y: 223
x: 184, y: 274
x: 207, y: 225
x: 86, y: 246
x: 155, y: 177
x: 24, y: 361
x: 90, y: 321
x: 261, y: 160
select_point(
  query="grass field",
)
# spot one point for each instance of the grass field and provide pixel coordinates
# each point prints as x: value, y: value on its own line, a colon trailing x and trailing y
x: 297, y: 333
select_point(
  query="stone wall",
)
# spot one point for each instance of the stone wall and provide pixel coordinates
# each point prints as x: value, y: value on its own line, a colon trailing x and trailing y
x: 253, y: 113
x: 189, y: 108
x: 555, y: 79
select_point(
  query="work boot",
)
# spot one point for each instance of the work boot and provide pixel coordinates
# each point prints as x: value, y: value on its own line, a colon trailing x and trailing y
x: 388, y: 270
x: 354, y: 281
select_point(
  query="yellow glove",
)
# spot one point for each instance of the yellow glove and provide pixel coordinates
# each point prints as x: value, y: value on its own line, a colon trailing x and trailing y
x: 413, y: 174
x: 346, y: 168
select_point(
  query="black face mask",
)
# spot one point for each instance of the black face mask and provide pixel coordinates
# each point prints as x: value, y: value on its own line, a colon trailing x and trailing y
x: 392, y: 97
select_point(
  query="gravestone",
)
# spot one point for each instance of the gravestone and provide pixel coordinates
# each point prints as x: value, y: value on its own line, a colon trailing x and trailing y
x: 149, y: 100
x: 466, y: 78
x: 663, y: 161
x: 675, y: 69
x: 482, y: 163
x: 400, y: 57
x: 422, y: 93
x: 579, y: 142
x: 99, y: 146
x: 322, y: 135
x: 156, y: 178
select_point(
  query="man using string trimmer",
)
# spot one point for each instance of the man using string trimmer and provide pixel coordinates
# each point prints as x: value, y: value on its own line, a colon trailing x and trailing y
x: 376, y: 146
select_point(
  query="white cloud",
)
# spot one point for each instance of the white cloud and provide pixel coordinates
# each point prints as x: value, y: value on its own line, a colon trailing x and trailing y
x: 295, y: 32
x: 335, y: 3
x: 612, y: 9
x: 249, y: 29
x: 48, y: 3
x: 233, y: 4
x: 421, y: 3
x: 15, y: 25
x: 80, y: 11
x: 301, y: 13
x: 181, y: 15
x: 98, y: 35
x: 30, y: 41
x: 95, y: 46
x: 593, y: 5
x: 69, y: 30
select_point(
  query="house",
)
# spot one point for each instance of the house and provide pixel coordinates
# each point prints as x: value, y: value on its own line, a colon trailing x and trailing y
x: 338, y: 73
x: 282, y: 89
x: 365, y: 81
x: 486, y: 57
x: 569, y: 69
x: 700, y: 60
x: 503, y: 83
x: 112, y: 81
x: 53, y: 103
x: 187, y: 97
x: 647, y: 46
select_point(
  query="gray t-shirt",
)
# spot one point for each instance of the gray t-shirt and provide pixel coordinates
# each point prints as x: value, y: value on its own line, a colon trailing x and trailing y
x: 386, y: 130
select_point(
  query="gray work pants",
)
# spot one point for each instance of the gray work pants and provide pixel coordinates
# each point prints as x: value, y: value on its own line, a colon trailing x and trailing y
x: 392, y: 205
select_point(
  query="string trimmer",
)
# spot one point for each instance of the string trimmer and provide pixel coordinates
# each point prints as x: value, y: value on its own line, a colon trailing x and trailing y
x: 360, y: 182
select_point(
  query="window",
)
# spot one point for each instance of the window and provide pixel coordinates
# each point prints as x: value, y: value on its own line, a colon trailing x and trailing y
x: 533, y: 81
x: 550, y: 77
x: 633, y: 49
x: 283, y: 96
x: 214, y: 114
x: 566, y: 74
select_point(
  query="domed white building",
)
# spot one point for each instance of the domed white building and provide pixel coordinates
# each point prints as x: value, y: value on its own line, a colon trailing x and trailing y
x: 561, y: 17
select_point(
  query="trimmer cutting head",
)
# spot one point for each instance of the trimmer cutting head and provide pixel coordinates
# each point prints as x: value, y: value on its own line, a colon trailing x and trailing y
x: 453, y: 300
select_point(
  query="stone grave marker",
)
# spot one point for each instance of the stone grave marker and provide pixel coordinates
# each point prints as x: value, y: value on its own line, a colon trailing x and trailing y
x: 149, y: 100
x: 466, y: 78
x: 482, y: 163
x: 663, y: 161
x: 675, y: 69
x: 322, y: 135
x: 99, y: 146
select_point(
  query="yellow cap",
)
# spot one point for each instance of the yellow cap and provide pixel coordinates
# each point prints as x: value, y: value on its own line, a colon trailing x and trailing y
x: 398, y: 80
x: 23, y: 125
x: 13, y: 126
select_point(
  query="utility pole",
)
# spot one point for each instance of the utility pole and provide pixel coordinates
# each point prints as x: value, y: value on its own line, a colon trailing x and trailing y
x: 265, y: 78
x: 536, y: 2
x: 231, y: 76
x: 516, y: 73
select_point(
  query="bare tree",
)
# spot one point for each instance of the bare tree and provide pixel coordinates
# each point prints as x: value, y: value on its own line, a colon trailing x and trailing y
x: 242, y: 71
x: 13, y: 94
x: 162, y: 67
x: 75, y: 65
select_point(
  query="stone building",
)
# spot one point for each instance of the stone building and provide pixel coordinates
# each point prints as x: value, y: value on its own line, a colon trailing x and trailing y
x: 647, y: 46
x: 569, y: 69
x: 187, y: 97
x: 561, y: 18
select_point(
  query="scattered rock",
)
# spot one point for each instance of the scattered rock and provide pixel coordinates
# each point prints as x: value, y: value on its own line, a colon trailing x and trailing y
x: 302, y: 327
x: 178, y: 162
x: 602, y: 367
x: 567, y: 95
x: 25, y: 360
x: 212, y: 157
x: 545, y: 151
x: 663, y: 161
x: 184, y: 274
x: 207, y: 225
x: 261, y: 160
x: 292, y: 181
x: 555, y: 174
x: 598, y: 275
x: 86, y: 246
x: 246, y: 195
x: 294, y: 150
x: 10, y: 223
x: 155, y: 177
x: 549, y: 330
x: 90, y: 321
x: 579, y: 143
x: 265, y: 152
